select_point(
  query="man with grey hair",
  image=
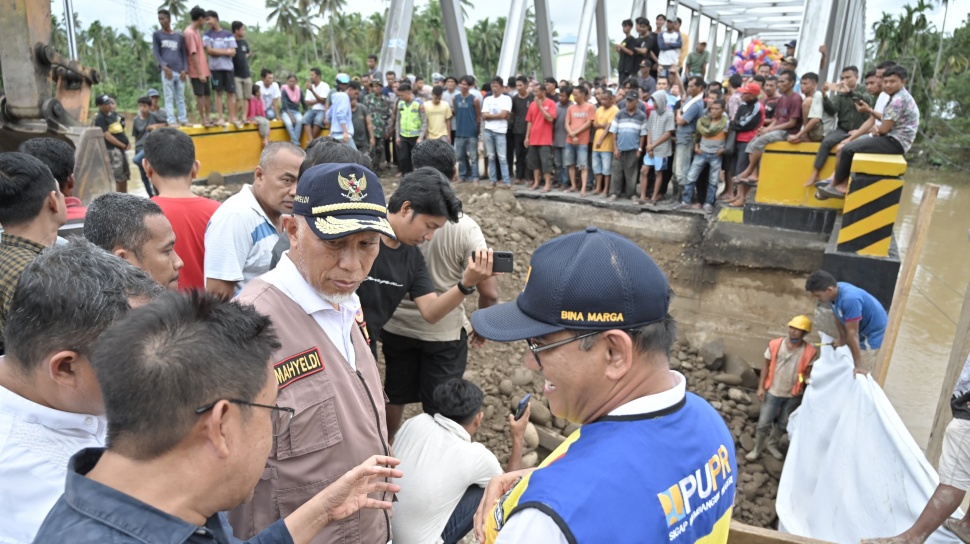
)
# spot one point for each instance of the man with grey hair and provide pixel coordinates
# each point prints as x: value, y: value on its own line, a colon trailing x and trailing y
x: 135, y: 229
x: 594, y: 312
x: 242, y: 232
x: 324, y: 369
x: 50, y: 402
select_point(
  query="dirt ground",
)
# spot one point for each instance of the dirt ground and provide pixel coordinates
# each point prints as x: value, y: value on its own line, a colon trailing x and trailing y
x: 725, y: 381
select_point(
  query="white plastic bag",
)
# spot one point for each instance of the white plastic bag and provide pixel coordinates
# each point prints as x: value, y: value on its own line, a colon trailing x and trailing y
x: 853, y: 471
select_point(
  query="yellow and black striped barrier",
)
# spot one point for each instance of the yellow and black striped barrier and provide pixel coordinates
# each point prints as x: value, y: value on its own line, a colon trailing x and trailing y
x: 871, y: 205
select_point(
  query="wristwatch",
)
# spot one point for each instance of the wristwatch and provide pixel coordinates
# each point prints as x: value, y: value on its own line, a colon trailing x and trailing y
x: 465, y: 290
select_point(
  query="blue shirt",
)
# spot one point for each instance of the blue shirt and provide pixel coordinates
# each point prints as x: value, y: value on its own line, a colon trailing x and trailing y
x: 465, y: 124
x: 340, y: 112
x: 685, y: 133
x: 857, y: 305
x: 92, y: 513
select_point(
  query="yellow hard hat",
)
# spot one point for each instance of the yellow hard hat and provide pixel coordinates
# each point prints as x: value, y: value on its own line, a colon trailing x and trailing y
x: 801, y: 322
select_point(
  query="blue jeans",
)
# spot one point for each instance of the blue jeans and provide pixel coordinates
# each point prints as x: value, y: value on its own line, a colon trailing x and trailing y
x: 467, y: 149
x: 602, y: 163
x: 682, y: 157
x: 575, y: 155
x: 696, y: 168
x: 495, y: 144
x: 339, y: 138
x: 460, y: 522
x: 774, y: 414
x: 314, y: 117
x: 141, y: 170
x: 295, y: 129
x: 173, y: 91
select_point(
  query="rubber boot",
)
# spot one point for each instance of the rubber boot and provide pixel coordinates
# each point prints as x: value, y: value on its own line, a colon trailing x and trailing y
x: 773, y: 443
x: 759, y: 446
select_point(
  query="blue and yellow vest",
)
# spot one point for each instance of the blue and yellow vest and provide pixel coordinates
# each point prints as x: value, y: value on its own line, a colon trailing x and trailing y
x: 410, y: 118
x: 667, y: 476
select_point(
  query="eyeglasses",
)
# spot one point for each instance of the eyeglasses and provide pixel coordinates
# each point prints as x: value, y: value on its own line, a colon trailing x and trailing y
x: 537, y: 348
x: 281, y: 415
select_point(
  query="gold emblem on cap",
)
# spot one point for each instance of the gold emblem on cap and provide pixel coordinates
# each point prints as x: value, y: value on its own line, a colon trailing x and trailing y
x: 354, y: 187
x: 331, y: 225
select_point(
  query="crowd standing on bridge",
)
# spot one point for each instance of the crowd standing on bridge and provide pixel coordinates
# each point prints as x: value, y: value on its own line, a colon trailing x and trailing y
x: 130, y: 413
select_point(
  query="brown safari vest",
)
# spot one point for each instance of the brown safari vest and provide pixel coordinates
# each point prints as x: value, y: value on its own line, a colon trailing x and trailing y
x: 339, y: 423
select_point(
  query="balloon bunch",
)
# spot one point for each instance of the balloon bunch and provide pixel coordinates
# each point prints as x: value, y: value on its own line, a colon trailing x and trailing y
x: 748, y: 59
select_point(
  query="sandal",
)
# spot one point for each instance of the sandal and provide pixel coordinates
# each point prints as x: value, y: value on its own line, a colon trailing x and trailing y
x: 820, y: 196
x: 821, y: 183
x: 748, y: 182
x: 829, y: 192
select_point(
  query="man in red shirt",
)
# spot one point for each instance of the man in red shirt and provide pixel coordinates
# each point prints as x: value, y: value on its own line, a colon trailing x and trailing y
x: 59, y: 157
x: 170, y: 165
x: 198, y: 65
x: 538, y: 138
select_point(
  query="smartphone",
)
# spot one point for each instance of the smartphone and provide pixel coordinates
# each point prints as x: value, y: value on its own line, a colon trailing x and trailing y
x: 858, y: 100
x: 501, y: 261
x: 520, y: 411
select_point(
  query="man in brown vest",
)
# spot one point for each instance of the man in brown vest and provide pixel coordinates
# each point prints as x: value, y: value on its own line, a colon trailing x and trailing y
x: 788, y: 361
x: 324, y: 369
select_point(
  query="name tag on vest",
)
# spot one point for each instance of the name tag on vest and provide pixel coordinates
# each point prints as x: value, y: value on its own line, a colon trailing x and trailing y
x: 298, y: 366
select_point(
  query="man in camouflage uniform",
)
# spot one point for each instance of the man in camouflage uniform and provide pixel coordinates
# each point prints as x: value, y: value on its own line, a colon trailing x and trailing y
x: 380, y: 112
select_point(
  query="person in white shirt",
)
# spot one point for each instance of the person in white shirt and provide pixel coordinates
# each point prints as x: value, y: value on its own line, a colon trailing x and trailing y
x: 496, y: 110
x: 50, y: 402
x: 317, y: 93
x: 444, y: 471
x: 269, y: 92
x: 242, y: 232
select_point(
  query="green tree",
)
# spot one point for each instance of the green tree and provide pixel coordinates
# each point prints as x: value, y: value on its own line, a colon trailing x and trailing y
x: 286, y: 17
x: 175, y: 7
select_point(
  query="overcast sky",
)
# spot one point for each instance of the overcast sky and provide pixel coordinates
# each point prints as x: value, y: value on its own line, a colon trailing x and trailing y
x: 565, y: 21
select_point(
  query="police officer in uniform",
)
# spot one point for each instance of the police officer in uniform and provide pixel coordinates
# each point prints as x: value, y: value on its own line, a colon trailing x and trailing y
x: 325, y: 370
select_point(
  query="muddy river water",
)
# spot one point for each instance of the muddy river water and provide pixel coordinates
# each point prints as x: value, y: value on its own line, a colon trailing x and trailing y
x: 929, y: 324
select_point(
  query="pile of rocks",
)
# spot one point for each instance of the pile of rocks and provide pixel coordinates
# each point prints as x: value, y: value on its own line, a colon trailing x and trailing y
x: 216, y: 192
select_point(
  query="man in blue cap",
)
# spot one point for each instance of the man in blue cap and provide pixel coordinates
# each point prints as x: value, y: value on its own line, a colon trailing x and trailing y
x: 324, y: 369
x: 652, y: 462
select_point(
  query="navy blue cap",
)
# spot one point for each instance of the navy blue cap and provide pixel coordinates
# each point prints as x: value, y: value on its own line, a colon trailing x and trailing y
x: 588, y: 280
x: 341, y: 199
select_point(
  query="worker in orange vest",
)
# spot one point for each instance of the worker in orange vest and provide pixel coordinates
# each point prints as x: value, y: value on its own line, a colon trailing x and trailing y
x: 788, y: 361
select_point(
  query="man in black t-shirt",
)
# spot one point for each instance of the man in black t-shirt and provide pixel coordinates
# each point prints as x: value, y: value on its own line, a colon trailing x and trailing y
x: 115, y: 140
x: 422, y: 203
x: 628, y: 56
x: 240, y: 69
x: 518, y: 126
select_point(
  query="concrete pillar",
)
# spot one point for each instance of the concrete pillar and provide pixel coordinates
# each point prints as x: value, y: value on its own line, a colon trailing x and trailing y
x: 712, y: 66
x: 582, y: 40
x: 639, y: 9
x: 604, y: 47
x: 671, y: 10
x: 461, y: 59
x: 695, y: 29
x: 547, y: 60
x: 396, y: 36
x: 508, y: 59
x: 727, y: 52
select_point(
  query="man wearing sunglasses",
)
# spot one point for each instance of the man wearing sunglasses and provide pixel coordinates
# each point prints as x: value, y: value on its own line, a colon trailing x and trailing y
x: 191, y: 408
x: 652, y: 462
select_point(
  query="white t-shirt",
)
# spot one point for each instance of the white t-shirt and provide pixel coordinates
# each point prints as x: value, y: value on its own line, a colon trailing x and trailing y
x: 239, y: 240
x: 493, y: 105
x: 36, y: 443
x: 668, y: 57
x: 323, y: 91
x: 439, y: 462
x: 268, y: 94
x: 816, y: 110
x: 880, y: 106
x: 534, y: 525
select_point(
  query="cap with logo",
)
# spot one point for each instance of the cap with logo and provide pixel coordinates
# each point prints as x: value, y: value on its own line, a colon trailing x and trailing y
x: 633, y: 95
x: 151, y: 93
x: 343, y: 78
x: 588, y: 280
x: 102, y: 100
x: 341, y: 199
